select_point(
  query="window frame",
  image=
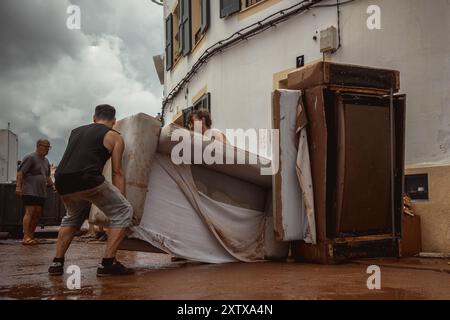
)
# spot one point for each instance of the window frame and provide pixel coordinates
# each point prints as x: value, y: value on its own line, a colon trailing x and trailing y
x: 232, y: 10
x: 204, y: 99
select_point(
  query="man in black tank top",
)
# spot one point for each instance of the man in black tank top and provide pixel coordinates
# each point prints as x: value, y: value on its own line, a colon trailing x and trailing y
x: 80, y: 182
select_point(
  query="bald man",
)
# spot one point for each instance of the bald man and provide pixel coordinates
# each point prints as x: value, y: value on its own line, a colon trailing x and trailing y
x: 33, y: 178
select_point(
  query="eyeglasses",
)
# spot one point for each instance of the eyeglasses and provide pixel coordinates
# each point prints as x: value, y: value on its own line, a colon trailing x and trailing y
x: 45, y: 146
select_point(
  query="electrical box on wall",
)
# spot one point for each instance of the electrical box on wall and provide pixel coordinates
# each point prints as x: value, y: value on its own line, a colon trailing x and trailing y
x: 328, y: 40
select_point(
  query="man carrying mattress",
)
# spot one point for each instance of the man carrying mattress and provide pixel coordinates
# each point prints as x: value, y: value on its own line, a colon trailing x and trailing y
x: 80, y: 182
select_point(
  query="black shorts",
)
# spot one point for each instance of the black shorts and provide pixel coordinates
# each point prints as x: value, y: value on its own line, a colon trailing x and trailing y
x: 33, y: 201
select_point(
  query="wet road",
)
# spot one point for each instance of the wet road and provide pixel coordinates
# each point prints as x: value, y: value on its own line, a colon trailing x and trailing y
x: 23, y: 275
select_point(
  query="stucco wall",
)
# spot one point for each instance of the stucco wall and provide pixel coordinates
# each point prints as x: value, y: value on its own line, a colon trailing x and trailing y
x: 413, y: 40
x: 435, y: 212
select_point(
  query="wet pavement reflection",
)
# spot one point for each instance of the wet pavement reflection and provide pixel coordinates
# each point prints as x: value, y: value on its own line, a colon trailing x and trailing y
x: 23, y: 275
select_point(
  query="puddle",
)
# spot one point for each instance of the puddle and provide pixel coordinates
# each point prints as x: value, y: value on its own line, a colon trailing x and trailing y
x: 384, y: 294
x: 27, y: 292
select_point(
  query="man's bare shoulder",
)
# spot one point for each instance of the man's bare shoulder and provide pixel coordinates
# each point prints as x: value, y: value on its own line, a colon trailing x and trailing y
x: 113, y: 135
x: 112, y: 140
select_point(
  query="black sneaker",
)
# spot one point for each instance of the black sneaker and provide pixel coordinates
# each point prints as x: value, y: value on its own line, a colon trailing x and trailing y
x: 56, y: 269
x: 101, y: 236
x: 116, y: 269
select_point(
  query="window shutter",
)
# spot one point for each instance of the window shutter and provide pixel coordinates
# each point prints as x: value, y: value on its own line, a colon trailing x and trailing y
x: 228, y: 7
x: 205, y: 15
x: 169, y: 46
x: 207, y: 102
x: 186, y: 113
x: 185, y: 27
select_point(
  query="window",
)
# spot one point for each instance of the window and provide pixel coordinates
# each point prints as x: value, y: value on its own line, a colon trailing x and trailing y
x: 249, y: 3
x: 172, y: 39
x: 228, y: 7
x: 185, y: 27
x: 204, y: 102
x: 200, y: 19
x: 176, y: 34
x: 416, y: 186
x: 205, y: 9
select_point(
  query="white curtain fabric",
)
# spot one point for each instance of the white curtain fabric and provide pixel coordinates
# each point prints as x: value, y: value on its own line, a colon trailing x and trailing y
x: 303, y: 168
x: 182, y: 221
x: 296, y: 187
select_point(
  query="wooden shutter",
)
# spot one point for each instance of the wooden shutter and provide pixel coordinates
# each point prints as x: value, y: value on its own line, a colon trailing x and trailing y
x: 185, y: 27
x: 186, y: 113
x: 169, y: 46
x: 228, y: 7
x: 205, y: 7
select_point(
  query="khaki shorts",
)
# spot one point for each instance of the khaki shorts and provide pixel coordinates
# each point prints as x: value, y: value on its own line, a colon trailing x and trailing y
x: 106, y: 197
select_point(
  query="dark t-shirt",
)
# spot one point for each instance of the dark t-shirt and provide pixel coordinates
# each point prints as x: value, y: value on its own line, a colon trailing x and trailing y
x: 82, y: 164
x: 35, y: 170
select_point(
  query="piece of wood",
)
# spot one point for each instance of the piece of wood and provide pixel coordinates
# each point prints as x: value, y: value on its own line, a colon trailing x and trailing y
x: 345, y: 75
x: 318, y: 142
x: 411, y: 243
x: 276, y: 180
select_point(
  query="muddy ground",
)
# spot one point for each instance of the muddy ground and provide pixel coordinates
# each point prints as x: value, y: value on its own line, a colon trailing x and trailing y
x: 23, y: 275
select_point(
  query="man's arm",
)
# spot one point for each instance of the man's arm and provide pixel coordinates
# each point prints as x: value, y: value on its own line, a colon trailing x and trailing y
x: 50, y: 183
x: 23, y: 169
x: 118, y: 179
x: 19, y: 180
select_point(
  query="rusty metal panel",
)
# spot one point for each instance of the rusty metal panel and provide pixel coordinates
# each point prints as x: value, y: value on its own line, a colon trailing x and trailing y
x: 363, y: 200
x: 363, y: 203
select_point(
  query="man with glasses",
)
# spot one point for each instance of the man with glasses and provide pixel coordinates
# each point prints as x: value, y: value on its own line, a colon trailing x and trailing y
x: 33, y: 178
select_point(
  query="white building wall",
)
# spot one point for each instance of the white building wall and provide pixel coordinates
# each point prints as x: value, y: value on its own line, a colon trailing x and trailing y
x: 8, y: 169
x: 414, y: 39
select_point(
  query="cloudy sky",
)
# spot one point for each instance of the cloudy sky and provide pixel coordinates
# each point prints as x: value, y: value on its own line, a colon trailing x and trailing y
x: 51, y: 77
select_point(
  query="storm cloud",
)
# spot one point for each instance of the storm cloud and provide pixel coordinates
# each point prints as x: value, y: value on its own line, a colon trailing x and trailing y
x: 51, y: 78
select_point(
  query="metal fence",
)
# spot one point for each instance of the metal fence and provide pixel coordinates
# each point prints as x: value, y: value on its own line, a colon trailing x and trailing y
x: 12, y: 210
